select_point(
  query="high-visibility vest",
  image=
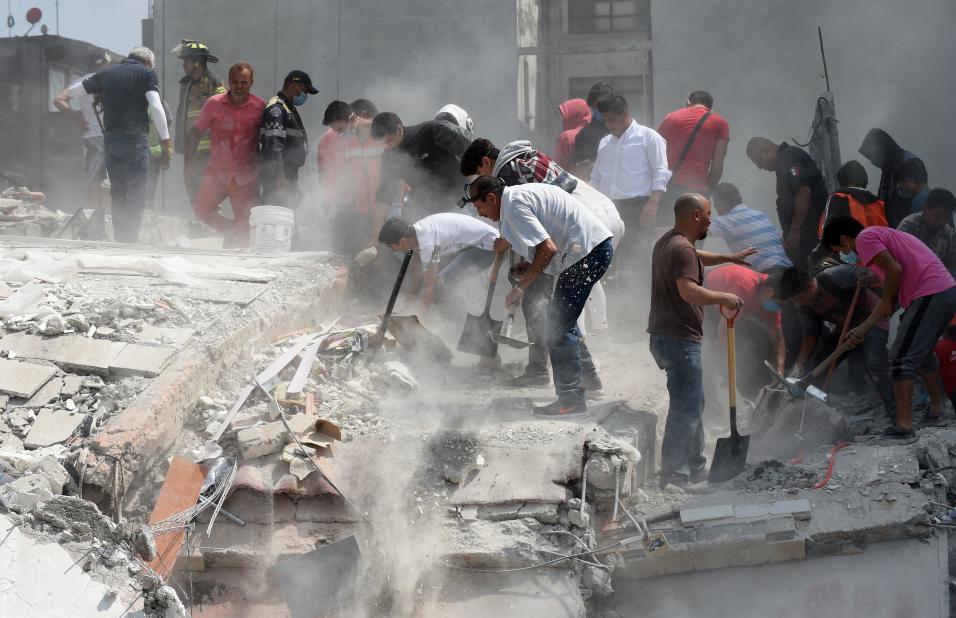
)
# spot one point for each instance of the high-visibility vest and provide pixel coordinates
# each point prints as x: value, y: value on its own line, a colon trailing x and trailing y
x: 869, y: 215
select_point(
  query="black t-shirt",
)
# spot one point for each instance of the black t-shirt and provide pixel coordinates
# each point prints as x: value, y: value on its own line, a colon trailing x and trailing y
x: 587, y: 141
x: 124, y: 88
x: 795, y: 169
x: 428, y: 159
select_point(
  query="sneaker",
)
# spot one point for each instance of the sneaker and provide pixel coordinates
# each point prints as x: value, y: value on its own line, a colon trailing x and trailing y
x: 557, y: 411
x: 930, y: 420
x: 898, y: 433
x: 527, y: 379
x: 592, y: 384
x: 699, y: 476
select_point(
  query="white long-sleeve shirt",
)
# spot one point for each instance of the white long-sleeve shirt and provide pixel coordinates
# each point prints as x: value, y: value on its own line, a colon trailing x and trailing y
x: 632, y: 165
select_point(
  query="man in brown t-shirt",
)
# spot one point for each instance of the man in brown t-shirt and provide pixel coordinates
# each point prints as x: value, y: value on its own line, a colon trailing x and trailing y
x: 676, y: 326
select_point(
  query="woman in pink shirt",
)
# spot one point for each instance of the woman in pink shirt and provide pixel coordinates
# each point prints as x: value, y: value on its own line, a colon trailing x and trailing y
x: 913, y: 275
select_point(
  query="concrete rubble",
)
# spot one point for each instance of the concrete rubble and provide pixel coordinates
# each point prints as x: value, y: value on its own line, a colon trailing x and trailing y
x: 163, y: 431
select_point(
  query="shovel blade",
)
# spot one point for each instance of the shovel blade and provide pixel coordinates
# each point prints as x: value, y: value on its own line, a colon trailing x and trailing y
x: 730, y: 458
x: 476, y: 338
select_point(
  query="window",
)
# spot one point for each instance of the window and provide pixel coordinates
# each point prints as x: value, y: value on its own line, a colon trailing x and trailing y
x: 600, y: 16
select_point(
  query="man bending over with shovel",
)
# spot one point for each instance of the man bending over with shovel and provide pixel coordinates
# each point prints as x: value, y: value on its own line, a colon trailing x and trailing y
x: 914, y: 276
x: 473, y: 244
x: 544, y: 223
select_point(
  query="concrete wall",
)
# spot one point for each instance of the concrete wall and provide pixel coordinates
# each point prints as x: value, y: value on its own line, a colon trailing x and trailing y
x: 889, y: 67
x: 407, y: 56
x: 888, y: 580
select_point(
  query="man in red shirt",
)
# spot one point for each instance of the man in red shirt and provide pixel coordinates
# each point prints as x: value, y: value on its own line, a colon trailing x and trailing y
x: 703, y: 164
x: 232, y: 118
x: 946, y: 354
x: 350, y: 170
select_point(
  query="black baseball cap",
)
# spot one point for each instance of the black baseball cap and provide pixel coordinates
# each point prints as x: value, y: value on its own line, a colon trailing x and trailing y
x: 303, y: 78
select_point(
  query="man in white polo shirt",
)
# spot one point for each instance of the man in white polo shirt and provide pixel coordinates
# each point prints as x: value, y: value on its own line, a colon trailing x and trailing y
x: 545, y: 224
x: 471, y: 242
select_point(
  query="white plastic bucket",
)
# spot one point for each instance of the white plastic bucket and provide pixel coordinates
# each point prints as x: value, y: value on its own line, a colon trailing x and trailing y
x: 271, y: 228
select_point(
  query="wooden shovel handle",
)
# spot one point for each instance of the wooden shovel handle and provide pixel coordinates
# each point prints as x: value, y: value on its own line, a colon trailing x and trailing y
x: 846, y: 329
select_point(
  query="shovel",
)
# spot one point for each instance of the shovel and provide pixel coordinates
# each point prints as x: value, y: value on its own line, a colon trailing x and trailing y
x: 730, y: 455
x: 477, y: 336
x: 504, y: 335
x: 378, y: 338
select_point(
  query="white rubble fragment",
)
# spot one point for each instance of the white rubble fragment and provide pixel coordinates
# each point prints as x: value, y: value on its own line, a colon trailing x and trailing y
x: 400, y: 375
x: 24, y: 492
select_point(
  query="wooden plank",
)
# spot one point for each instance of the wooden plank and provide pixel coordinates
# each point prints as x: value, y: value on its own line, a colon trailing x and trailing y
x: 180, y: 491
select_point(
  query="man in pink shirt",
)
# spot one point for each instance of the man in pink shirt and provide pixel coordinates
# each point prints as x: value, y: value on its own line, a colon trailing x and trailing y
x: 926, y: 291
x: 232, y: 118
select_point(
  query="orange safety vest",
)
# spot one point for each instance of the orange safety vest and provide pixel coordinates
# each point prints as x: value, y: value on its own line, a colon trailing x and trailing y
x: 869, y: 215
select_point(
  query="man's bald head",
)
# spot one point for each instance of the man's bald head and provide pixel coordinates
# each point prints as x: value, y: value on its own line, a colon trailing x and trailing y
x: 692, y: 216
x: 763, y: 153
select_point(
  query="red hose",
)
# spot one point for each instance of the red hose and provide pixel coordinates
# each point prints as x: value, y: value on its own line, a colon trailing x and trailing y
x: 832, y: 458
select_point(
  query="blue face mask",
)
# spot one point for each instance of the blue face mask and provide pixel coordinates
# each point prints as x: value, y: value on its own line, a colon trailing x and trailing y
x: 300, y: 99
x: 596, y: 115
x: 770, y: 305
x: 849, y: 258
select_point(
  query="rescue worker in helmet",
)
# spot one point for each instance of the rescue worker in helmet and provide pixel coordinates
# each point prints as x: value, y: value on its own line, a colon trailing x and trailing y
x: 197, y: 85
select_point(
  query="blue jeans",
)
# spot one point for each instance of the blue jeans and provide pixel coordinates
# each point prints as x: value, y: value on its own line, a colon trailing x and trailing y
x: 564, y: 343
x: 127, y: 163
x: 682, y: 451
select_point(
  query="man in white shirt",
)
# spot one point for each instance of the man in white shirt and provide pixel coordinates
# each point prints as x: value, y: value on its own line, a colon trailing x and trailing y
x: 473, y: 244
x: 88, y: 115
x: 545, y: 224
x: 631, y: 169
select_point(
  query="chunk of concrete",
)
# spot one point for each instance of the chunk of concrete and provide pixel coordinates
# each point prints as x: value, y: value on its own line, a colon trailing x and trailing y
x: 52, y: 427
x: 177, y: 337
x: 71, y: 385
x: 690, y: 517
x: 141, y: 360
x: 24, y: 492
x: 47, y: 393
x: 73, y: 352
x: 21, y: 379
x: 261, y: 440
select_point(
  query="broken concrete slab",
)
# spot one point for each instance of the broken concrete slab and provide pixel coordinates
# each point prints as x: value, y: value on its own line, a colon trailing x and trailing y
x: 690, y: 517
x: 47, y: 393
x: 543, y: 592
x: 24, y: 492
x: 232, y: 546
x: 73, y: 352
x: 141, y: 360
x: 166, y: 335
x: 23, y: 379
x: 517, y: 473
x: 53, y: 427
x: 487, y: 544
x: 260, y: 440
x: 72, y: 385
x: 44, y: 579
x: 545, y: 513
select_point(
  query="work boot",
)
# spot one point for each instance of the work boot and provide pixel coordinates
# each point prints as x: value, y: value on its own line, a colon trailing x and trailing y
x: 556, y: 411
x: 529, y: 378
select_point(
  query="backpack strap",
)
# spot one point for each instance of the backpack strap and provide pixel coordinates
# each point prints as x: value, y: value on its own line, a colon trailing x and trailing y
x: 687, y: 145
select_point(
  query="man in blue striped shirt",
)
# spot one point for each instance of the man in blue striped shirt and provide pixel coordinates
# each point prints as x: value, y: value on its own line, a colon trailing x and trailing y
x: 741, y: 227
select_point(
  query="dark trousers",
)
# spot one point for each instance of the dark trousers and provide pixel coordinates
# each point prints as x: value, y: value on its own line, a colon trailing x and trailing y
x: 630, y: 274
x: 564, y: 341
x: 127, y: 163
x: 288, y: 197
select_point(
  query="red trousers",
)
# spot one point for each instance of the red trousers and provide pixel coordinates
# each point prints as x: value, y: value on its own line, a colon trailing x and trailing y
x: 242, y: 198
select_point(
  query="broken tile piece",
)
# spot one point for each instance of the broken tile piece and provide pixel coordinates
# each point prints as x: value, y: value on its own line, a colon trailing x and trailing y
x: 22, y: 379
x: 705, y: 513
x: 141, y: 360
x: 52, y: 427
